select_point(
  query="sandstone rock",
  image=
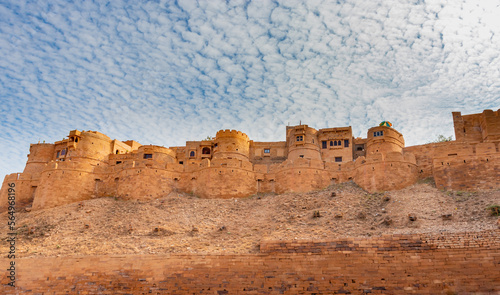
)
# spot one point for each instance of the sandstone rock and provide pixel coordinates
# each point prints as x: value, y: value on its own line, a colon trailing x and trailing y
x: 387, y: 221
x: 447, y: 216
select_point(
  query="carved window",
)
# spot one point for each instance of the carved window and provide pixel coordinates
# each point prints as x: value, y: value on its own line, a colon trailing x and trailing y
x: 58, y: 152
x: 267, y: 151
x: 378, y: 133
x: 191, y: 154
x: 300, y: 138
x: 63, y: 152
x: 205, y: 151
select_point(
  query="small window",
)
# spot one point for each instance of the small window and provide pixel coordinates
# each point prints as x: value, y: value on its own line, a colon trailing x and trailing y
x: 267, y: 151
x: 331, y: 143
x: 215, y: 145
x: 338, y: 159
x: 346, y: 142
x: 181, y: 162
x: 301, y: 156
x: 76, y: 139
x: 300, y: 138
x: 334, y: 143
x: 148, y: 156
x: 205, y: 151
x: 58, y: 152
x: 323, y: 144
x: 359, y: 148
x: 378, y: 133
x: 118, y: 162
x: 191, y: 154
x: 63, y: 152
x: 117, y: 152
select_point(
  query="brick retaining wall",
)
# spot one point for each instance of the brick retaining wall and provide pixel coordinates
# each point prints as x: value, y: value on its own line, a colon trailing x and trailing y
x: 465, y: 263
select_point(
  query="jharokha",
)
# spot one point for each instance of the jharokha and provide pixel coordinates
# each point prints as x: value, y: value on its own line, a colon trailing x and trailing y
x: 89, y: 164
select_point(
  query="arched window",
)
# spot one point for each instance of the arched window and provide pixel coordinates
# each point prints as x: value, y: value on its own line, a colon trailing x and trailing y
x: 205, y: 151
x: 191, y: 153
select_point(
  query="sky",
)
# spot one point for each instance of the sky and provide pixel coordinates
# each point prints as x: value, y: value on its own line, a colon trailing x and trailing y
x: 167, y: 72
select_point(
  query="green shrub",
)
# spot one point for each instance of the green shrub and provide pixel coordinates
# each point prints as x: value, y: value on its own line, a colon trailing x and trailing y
x: 495, y: 210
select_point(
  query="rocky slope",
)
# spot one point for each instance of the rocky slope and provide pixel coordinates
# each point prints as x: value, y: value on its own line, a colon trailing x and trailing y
x: 183, y: 223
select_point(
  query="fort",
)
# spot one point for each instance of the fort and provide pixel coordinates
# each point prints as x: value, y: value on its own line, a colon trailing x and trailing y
x: 327, y: 214
x: 88, y: 164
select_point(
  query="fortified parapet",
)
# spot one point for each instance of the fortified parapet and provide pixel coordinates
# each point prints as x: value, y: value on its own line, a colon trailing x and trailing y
x: 480, y: 127
x: 385, y: 167
x: 383, y: 139
x: 302, y: 142
x: 89, y: 145
x: 156, y: 154
x: 231, y: 144
x: 69, y: 178
x: 40, y: 154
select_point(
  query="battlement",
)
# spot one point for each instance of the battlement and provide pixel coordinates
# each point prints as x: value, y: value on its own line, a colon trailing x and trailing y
x: 91, y: 133
x: 231, y: 133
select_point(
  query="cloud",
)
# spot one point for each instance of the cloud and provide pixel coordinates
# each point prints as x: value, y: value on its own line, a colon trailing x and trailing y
x: 165, y: 72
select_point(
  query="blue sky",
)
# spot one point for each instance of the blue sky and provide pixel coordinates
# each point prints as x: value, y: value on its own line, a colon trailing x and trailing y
x: 165, y: 72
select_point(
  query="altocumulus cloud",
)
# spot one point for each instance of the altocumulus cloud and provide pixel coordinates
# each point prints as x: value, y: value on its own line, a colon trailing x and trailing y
x: 164, y: 72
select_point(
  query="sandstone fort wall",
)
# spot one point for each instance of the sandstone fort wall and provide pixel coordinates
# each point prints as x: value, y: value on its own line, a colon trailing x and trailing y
x: 89, y: 164
x: 465, y: 263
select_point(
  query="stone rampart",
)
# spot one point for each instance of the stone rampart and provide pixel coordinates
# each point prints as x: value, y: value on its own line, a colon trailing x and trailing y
x: 460, y: 263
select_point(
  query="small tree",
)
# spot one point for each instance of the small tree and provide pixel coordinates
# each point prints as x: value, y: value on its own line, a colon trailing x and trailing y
x: 442, y: 138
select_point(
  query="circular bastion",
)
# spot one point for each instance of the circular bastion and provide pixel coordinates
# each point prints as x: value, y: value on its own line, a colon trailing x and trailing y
x: 231, y: 144
x: 382, y: 139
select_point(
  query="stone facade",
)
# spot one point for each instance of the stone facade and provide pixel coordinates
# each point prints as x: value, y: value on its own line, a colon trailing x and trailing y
x: 89, y: 164
x: 444, y: 263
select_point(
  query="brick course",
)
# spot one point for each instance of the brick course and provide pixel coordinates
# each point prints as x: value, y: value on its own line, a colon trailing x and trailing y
x: 460, y: 263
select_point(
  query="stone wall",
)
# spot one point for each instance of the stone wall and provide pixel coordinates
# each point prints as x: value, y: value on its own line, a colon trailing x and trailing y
x: 63, y: 183
x: 467, y: 172
x: 464, y: 263
x: 459, y: 165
